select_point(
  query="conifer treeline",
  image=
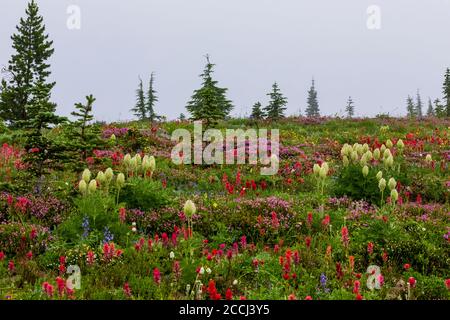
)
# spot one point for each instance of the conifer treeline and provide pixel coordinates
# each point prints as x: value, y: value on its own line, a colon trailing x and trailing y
x: 25, y: 95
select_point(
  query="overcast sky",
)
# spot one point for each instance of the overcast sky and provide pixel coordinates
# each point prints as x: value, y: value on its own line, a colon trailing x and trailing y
x: 253, y: 43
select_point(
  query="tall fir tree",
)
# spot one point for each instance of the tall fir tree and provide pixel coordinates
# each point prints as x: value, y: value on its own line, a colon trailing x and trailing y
x: 257, y: 112
x: 277, y: 104
x: 446, y: 92
x: 27, y: 68
x: 350, y: 108
x: 410, y: 107
x: 419, y: 105
x: 312, y: 108
x: 209, y: 103
x: 430, y: 110
x: 439, y: 109
x: 152, y: 98
x: 140, y: 109
x: 44, y: 152
x: 84, y: 136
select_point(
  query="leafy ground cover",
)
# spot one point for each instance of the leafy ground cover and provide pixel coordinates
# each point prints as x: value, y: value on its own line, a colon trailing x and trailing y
x: 359, y: 209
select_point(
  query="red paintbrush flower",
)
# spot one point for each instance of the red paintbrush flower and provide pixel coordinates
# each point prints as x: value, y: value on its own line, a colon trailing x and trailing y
x: 308, y: 242
x: 229, y: 294
x: 326, y: 221
x: 90, y: 258
x: 122, y: 215
x: 127, y: 289
x: 61, y: 283
x: 177, y: 270
x: 345, y: 236
x: 385, y: 256
x: 11, y: 266
x: 412, y: 282
x: 370, y: 248
x: 356, y: 286
x: 309, y: 219
x: 157, y: 276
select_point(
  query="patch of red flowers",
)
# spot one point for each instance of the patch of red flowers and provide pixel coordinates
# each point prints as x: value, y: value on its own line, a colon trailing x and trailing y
x: 11, y: 266
x: 228, y: 294
x: 127, y: 289
x: 62, y: 264
x: 212, y: 291
x: 157, y: 276
x: 412, y: 282
x: 345, y: 236
x: 110, y: 252
x: 48, y: 289
x: 370, y: 248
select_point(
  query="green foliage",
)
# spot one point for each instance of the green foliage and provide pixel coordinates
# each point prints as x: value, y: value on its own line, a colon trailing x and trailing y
x: 312, y: 108
x: 430, y: 186
x: 152, y: 98
x: 100, y: 212
x: 257, y: 112
x: 439, y: 109
x: 350, y: 108
x: 277, y: 104
x: 430, y: 110
x: 446, y: 92
x: 43, y: 153
x: 83, y: 136
x: 352, y: 183
x: 139, y: 109
x: 145, y: 194
x: 410, y: 107
x: 209, y: 103
x: 419, y: 105
x: 429, y: 287
x: 15, y: 238
x: 27, y: 68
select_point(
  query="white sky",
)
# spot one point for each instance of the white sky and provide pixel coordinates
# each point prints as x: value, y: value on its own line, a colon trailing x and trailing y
x: 253, y: 43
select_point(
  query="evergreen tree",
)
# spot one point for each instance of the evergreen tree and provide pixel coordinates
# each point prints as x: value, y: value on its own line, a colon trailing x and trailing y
x: 27, y: 68
x: 43, y: 152
x: 410, y: 107
x: 439, y: 109
x: 350, y: 108
x: 419, y: 105
x: 140, y: 108
x: 152, y: 98
x: 209, y: 103
x: 83, y: 136
x: 446, y: 91
x: 430, y: 110
x: 182, y: 117
x: 277, y: 104
x: 312, y: 109
x: 257, y: 112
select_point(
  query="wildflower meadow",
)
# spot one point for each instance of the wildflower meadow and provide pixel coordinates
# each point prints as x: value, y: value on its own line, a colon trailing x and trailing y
x: 352, y: 208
